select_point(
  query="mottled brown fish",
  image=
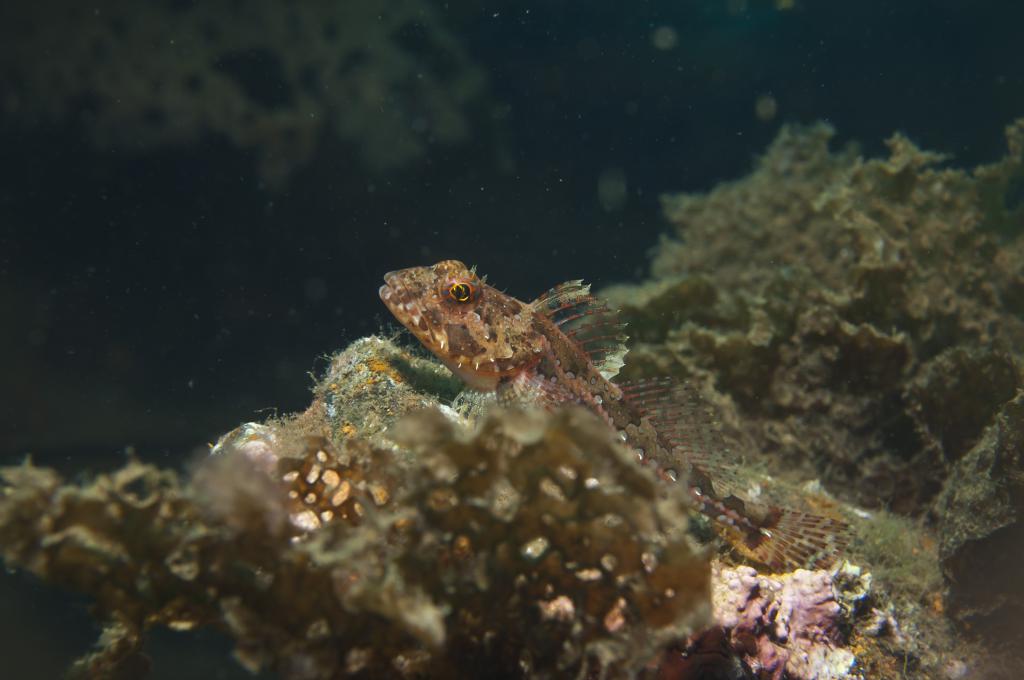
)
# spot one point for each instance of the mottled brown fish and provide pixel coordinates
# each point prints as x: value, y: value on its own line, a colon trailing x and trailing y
x: 566, y: 347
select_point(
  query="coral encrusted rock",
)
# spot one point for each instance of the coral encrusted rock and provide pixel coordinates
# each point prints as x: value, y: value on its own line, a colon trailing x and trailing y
x: 527, y: 545
x: 861, y: 321
x: 862, y: 314
x: 386, y: 78
x: 981, y: 521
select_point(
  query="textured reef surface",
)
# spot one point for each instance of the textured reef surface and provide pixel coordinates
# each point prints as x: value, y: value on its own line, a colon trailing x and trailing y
x: 531, y: 545
x: 862, y: 322
x: 854, y: 321
x: 386, y: 78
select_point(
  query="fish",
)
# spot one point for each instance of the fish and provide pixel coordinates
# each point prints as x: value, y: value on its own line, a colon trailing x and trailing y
x: 566, y: 348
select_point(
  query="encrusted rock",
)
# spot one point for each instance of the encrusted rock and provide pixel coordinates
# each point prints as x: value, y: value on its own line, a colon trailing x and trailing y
x: 531, y: 544
x: 790, y: 625
x: 981, y: 522
x: 386, y: 78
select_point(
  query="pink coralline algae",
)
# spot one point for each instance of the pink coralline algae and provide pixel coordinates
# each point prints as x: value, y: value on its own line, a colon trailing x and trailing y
x: 784, y: 625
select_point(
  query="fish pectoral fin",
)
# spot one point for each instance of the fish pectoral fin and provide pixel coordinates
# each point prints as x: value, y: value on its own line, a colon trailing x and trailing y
x: 532, y: 389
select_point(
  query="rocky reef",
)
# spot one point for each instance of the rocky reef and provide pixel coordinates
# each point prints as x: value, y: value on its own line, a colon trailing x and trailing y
x: 854, y: 321
x: 864, y: 315
x: 380, y: 534
x: 790, y: 625
x: 385, y: 80
x: 861, y: 321
x: 532, y: 545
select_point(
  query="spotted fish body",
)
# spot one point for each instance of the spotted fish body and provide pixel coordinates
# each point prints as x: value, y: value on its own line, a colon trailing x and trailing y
x: 566, y: 347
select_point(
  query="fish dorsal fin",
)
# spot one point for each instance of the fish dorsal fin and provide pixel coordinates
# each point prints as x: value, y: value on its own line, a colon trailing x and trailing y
x: 689, y: 427
x: 587, y: 321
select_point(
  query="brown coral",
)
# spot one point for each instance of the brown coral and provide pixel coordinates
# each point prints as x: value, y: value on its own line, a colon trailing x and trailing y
x: 386, y: 78
x: 534, y: 545
x: 861, y: 320
x: 836, y: 299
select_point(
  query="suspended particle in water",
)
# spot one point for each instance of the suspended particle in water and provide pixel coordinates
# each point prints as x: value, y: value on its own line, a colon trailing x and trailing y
x: 766, y: 107
x: 612, y: 189
x: 664, y: 38
x: 558, y: 609
x: 737, y: 7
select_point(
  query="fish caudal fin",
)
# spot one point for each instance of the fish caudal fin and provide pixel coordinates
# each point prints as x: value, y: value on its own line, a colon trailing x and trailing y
x: 779, y: 538
x: 793, y: 539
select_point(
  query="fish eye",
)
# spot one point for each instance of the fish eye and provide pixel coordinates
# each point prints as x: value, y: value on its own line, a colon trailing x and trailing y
x: 462, y: 292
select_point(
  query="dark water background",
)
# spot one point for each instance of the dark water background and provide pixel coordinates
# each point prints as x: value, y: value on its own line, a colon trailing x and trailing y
x: 153, y: 298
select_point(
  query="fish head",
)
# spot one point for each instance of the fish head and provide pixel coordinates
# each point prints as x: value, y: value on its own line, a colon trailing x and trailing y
x: 480, y: 333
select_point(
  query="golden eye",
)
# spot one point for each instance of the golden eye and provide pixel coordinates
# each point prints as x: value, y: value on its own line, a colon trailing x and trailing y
x: 462, y: 292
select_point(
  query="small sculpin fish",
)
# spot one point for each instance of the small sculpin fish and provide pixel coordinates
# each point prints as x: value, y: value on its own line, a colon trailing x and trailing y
x: 566, y: 347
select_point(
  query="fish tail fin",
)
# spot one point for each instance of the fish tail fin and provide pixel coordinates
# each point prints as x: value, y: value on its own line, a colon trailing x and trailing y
x: 792, y: 539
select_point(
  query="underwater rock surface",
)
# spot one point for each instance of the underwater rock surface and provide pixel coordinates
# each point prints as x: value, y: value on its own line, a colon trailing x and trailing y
x: 862, y: 320
x: 788, y: 625
x: 863, y: 314
x: 854, y: 320
x: 411, y: 544
x: 981, y: 522
x: 531, y: 546
x: 386, y: 78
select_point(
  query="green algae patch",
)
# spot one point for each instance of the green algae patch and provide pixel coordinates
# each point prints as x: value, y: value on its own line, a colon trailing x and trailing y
x: 903, y: 556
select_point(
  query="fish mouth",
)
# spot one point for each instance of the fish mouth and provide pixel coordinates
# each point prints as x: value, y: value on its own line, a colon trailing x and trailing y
x: 392, y: 295
x: 403, y: 305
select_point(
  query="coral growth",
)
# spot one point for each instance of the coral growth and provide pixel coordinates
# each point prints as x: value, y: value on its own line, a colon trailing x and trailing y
x: 789, y: 625
x: 382, y: 534
x: 533, y: 545
x: 860, y: 320
x: 861, y: 313
x: 981, y: 522
x: 857, y: 319
x: 383, y: 77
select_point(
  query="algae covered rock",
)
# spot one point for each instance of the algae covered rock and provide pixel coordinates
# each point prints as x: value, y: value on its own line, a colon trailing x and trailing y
x: 861, y: 313
x: 847, y: 318
x: 527, y: 545
x: 791, y: 624
x: 981, y: 521
x: 859, y: 320
x: 387, y: 78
